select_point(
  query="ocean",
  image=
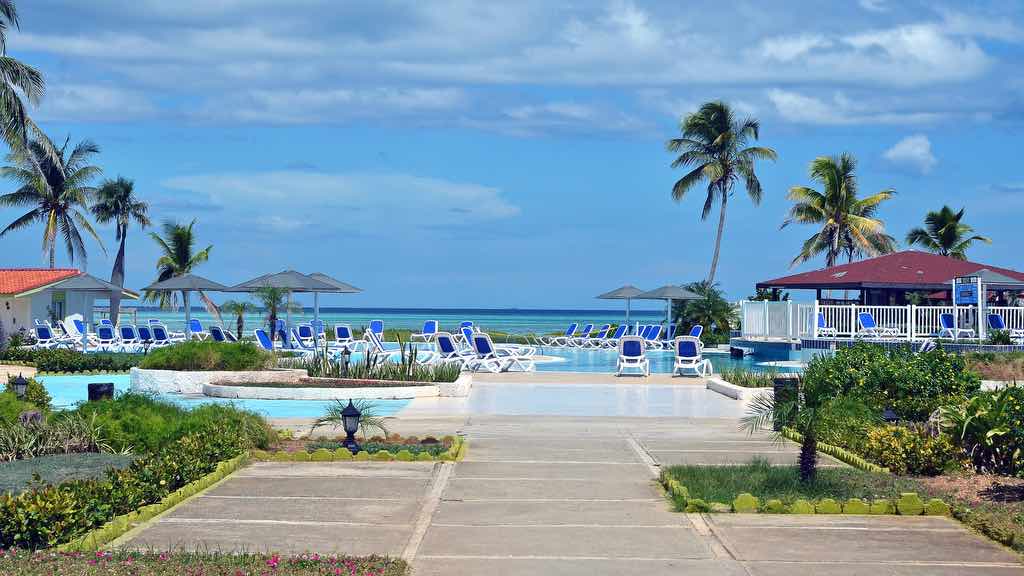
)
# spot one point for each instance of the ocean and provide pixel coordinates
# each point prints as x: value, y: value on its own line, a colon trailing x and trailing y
x: 499, y: 320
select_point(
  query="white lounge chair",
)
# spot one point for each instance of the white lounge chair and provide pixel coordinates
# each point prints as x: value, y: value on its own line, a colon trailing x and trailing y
x: 949, y: 330
x: 613, y: 340
x: 582, y: 338
x: 824, y: 330
x: 195, y: 327
x: 430, y: 328
x: 562, y: 340
x: 632, y: 355
x: 448, y: 350
x: 997, y: 324
x: 688, y: 357
x: 598, y: 339
x: 870, y: 329
x: 497, y: 359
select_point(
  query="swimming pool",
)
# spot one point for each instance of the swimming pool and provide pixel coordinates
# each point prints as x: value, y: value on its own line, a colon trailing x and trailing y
x: 603, y: 361
x: 69, y: 390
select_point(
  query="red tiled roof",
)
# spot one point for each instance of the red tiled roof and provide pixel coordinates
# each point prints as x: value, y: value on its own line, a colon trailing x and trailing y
x: 909, y: 269
x: 18, y: 280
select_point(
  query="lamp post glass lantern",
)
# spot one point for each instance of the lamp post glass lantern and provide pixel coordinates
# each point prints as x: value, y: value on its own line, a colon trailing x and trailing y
x: 890, y: 416
x: 350, y: 421
x: 20, y: 386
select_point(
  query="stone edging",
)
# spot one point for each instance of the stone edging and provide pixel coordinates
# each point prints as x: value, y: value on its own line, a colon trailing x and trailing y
x: 457, y: 451
x: 459, y: 388
x: 192, y: 382
x: 742, y: 393
x: 908, y: 504
x: 841, y: 454
x: 121, y: 525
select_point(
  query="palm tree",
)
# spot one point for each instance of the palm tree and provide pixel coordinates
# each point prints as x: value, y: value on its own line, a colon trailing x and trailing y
x: 715, y: 147
x: 239, y: 308
x: 116, y: 202
x: 58, y: 191
x: 945, y: 234
x: 18, y: 80
x: 817, y: 407
x: 275, y: 301
x: 712, y: 310
x: 848, y: 223
x: 178, y: 257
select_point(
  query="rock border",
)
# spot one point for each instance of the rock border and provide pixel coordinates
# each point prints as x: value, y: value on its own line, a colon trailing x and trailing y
x: 741, y: 393
x: 193, y: 382
x: 460, y: 388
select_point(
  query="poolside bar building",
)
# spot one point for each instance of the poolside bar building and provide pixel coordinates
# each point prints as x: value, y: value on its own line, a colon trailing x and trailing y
x: 906, y: 292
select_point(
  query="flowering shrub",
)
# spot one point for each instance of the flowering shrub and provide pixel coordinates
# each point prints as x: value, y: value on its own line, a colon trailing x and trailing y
x: 990, y: 429
x: 139, y: 564
x: 60, y: 360
x: 910, y: 450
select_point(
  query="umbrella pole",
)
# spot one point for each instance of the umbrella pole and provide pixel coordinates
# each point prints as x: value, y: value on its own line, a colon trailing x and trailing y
x: 188, y: 316
x: 316, y: 305
x: 628, y: 302
x: 668, y: 315
x: 288, y: 313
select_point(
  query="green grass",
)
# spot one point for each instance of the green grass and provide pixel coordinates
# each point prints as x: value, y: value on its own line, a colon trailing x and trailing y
x: 724, y: 483
x: 16, y: 476
x: 748, y: 379
x: 194, y: 563
x: 207, y: 356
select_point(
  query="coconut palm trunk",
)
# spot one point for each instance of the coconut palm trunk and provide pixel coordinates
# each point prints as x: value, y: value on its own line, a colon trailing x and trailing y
x: 718, y: 239
x: 117, y: 279
x: 808, y: 459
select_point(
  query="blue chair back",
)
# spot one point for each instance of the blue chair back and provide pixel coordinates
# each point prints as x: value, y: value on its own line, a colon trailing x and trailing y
x: 195, y: 326
x: 482, y: 344
x: 263, y: 339
x: 342, y: 332
x: 297, y: 342
x: 79, y: 325
x: 229, y: 336
x: 696, y: 330
x: 43, y: 332
x: 217, y: 334
x: 687, y: 349
x: 430, y: 327
x: 145, y: 334
x: 670, y: 334
x: 632, y: 349
x: 868, y: 321
x: 587, y: 329
x: 821, y: 320
x: 466, y: 324
x: 128, y: 332
x: 445, y: 344
x: 282, y: 335
x: 105, y: 332
x: 377, y: 327
x: 318, y: 326
x: 946, y: 320
x: 571, y: 330
x: 995, y: 322
x: 603, y: 332
x: 279, y: 325
x: 306, y: 331
x: 160, y: 333
x: 106, y: 322
x: 620, y: 331
x: 153, y: 321
x: 467, y: 333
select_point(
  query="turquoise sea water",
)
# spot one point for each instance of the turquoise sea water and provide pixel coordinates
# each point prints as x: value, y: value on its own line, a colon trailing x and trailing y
x: 501, y: 320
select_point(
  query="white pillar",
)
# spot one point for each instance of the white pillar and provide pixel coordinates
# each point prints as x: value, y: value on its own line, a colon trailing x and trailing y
x: 956, y: 311
x: 188, y: 315
x: 814, y: 320
x: 981, y: 310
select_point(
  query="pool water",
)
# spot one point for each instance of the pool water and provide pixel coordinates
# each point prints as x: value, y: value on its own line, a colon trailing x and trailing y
x: 603, y: 361
x: 70, y: 390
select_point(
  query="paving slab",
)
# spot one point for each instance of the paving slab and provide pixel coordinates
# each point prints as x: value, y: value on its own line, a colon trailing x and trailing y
x: 650, y: 512
x: 534, y: 469
x: 855, y: 568
x: 354, y: 487
x: 577, y: 489
x: 429, y: 565
x: 865, y: 539
x: 652, y: 542
x: 368, y: 510
x: 479, y: 450
x: 339, y: 469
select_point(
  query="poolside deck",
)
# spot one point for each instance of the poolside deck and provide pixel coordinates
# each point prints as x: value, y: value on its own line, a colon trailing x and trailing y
x: 586, y: 378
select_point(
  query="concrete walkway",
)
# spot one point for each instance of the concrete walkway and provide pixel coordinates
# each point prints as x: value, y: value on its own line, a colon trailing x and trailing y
x: 565, y: 496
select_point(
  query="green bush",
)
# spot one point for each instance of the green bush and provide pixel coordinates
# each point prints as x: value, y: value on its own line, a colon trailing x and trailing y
x: 142, y: 423
x: 209, y: 355
x: 910, y: 450
x: 35, y: 393
x: 990, y: 430
x: 45, y: 516
x: 913, y: 385
x: 67, y: 434
x: 11, y: 407
x: 61, y: 360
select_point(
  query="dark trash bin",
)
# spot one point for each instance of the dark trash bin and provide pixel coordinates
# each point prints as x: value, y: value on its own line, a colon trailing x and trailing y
x: 101, y: 391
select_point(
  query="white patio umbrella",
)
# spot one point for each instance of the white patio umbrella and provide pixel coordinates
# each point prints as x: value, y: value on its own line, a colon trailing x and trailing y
x: 627, y: 293
x: 669, y: 293
x: 186, y: 284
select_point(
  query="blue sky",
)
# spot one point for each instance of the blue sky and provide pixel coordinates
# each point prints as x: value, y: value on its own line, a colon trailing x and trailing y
x: 458, y: 153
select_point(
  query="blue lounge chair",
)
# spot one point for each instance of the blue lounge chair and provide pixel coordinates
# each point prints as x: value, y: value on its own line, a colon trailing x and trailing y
x: 696, y: 330
x: 145, y: 335
x: 130, y: 338
x: 430, y: 328
x: 217, y: 334
x: 263, y: 339
x: 161, y: 337
x: 318, y: 328
x: 562, y: 340
x: 195, y: 327
x: 651, y: 336
x: 824, y: 330
x: 632, y: 355
x: 497, y: 359
x: 449, y: 351
x: 581, y: 338
x: 997, y: 324
x: 45, y: 337
x: 948, y: 329
x: 106, y: 339
x: 613, y: 341
x: 377, y: 327
x: 870, y: 329
x: 598, y: 339
x: 689, y: 358
x: 306, y: 335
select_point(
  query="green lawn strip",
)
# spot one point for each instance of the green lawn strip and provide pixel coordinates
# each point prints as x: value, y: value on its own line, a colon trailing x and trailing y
x: 456, y: 451
x: 761, y: 487
x: 121, y: 563
x: 55, y: 469
x: 120, y: 525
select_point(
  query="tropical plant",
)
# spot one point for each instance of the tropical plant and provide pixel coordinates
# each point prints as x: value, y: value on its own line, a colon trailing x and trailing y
x: 945, y: 234
x: 238, y: 308
x: 715, y: 148
x: 817, y: 409
x: 19, y: 80
x: 847, y: 223
x: 274, y: 301
x: 178, y: 257
x: 369, y: 419
x: 116, y: 202
x: 57, y: 189
x: 712, y: 310
x: 989, y: 427
x: 769, y: 294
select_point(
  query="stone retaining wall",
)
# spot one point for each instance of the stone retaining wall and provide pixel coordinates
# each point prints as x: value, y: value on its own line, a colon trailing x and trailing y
x: 460, y: 387
x: 184, y: 382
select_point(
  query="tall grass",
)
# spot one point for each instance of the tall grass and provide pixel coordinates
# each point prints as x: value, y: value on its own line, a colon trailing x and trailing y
x: 748, y: 379
x: 375, y: 366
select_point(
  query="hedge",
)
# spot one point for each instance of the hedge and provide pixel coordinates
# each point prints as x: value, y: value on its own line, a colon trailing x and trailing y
x: 457, y: 451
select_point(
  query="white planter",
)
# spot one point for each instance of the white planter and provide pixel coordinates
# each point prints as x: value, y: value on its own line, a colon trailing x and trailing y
x: 735, y: 392
x: 184, y: 382
x: 367, y: 392
x: 458, y: 389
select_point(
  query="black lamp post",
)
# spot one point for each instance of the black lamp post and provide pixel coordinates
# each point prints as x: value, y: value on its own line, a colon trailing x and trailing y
x: 20, y: 386
x: 890, y: 416
x: 350, y: 420
x: 346, y: 357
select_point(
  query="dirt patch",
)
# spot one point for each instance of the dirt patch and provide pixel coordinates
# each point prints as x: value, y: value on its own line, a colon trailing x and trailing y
x: 978, y: 488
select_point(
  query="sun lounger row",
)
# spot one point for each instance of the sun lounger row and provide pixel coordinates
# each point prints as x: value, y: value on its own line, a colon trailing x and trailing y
x: 688, y: 357
x: 869, y: 329
x: 651, y: 336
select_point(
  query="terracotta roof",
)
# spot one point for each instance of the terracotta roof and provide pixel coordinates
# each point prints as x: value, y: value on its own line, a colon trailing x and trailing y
x: 17, y: 280
x: 909, y: 269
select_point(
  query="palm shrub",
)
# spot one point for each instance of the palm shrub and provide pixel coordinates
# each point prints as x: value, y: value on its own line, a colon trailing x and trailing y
x: 818, y: 408
x: 711, y: 310
x: 989, y: 428
x: 208, y: 355
x: 369, y: 420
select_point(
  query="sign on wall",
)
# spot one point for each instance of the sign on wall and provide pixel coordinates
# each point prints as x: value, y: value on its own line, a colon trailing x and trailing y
x: 967, y: 294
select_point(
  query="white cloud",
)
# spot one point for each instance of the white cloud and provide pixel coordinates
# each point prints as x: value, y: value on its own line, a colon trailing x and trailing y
x: 788, y: 48
x: 840, y: 110
x: 873, y: 5
x: 913, y: 152
x: 368, y: 203
x: 88, y: 102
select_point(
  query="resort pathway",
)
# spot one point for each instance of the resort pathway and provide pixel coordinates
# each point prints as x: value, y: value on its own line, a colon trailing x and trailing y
x: 560, y: 495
